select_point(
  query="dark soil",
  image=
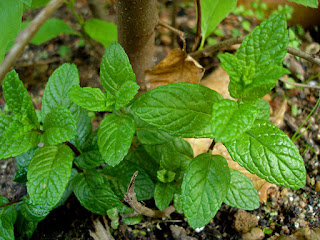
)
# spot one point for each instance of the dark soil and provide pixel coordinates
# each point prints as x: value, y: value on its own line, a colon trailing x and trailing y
x: 286, y: 211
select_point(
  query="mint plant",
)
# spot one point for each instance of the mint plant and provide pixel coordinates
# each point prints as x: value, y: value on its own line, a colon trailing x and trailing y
x: 57, y: 152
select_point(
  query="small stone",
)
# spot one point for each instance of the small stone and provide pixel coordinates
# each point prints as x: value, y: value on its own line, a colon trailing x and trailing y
x: 317, y: 187
x: 254, y: 234
x: 302, y: 204
x: 285, y: 229
x: 284, y: 193
x: 244, y: 221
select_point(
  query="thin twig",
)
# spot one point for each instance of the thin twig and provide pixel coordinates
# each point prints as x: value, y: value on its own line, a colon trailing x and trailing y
x: 219, y: 46
x: 299, y: 84
x: 131, y: 199
x: 26, y: 35
x: 177, y: 31
x: 101, y: 232
x: 198, y: 36
x: 227, y: 43
x: 301, y: 54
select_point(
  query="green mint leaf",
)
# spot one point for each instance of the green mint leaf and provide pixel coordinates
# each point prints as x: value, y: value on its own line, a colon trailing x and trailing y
x: 27, y: 2
x: 84, y: 129
x: 10, y: 18
x: 113, y: 215
x: 92, y: 99
x: 255, y: 68
x: 163, y: 194
x: 232, y: 65
x: 48, y: 174
x: 12, y: 147
x: 263, y: 82
x: 213, y: 12
x: 129, y: 220
x: 8, y: 216
x: 230, y: 119
x: 174, y: 156
x: 94, y: 193
x: 180, y: 108
x: 241, y: 193
x: 16, y: 129
x: 101, y: 31
x: 24, y: 229
x: 33, y: 212
x: 57, y: 90
x: 268, y: 152
x: 23, y: 161
x: 150, y: 135
x: 141, y: 157
x: 119, y: 178
x: 51, y: 29
x: 59, y: 126
x: 115, y: 136
x: 177, y: 203
x: 307, y: 3
x: 115, y: 69
x: 126, y: 93
x: 17, y: 97
x: 165, y: 176
x: 68, y: 190
x: 263, y: 108
x: 90, y: 156
x: 266, y: 44
x: 204, y: 187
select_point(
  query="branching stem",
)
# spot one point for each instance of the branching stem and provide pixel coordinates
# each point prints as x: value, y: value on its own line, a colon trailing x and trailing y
x: 176, y: 31
x: 131, y: 199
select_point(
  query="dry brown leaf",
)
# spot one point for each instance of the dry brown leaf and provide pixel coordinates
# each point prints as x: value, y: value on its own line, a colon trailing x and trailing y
x: 278, y: 118
x: 176, y: 67
x: 199, y: 145
x: 218, y: 80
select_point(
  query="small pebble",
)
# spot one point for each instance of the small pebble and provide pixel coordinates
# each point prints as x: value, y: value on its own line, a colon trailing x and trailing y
x: 302, y: 204
x: 284, y: 193
x: 285, y: 229
x: 254, y: 234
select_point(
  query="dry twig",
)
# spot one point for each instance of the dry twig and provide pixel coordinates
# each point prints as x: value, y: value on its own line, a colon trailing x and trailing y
x: 299, y: 84
x: 26, y: 35
x: 131, y: 199
x: 227, y: 43
x: 176, y: 31
x: 101, y: 232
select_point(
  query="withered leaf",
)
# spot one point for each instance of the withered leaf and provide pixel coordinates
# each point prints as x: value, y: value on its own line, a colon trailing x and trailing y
x: 178, y: 66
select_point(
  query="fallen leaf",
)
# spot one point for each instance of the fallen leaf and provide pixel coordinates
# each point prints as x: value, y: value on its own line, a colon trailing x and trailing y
x: 176, y: 67
x: 278, y: 118
x: 199, y: 145
x: 218, y: 80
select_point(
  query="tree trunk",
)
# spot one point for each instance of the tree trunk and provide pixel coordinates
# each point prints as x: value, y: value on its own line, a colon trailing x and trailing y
x: 136, y: 21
